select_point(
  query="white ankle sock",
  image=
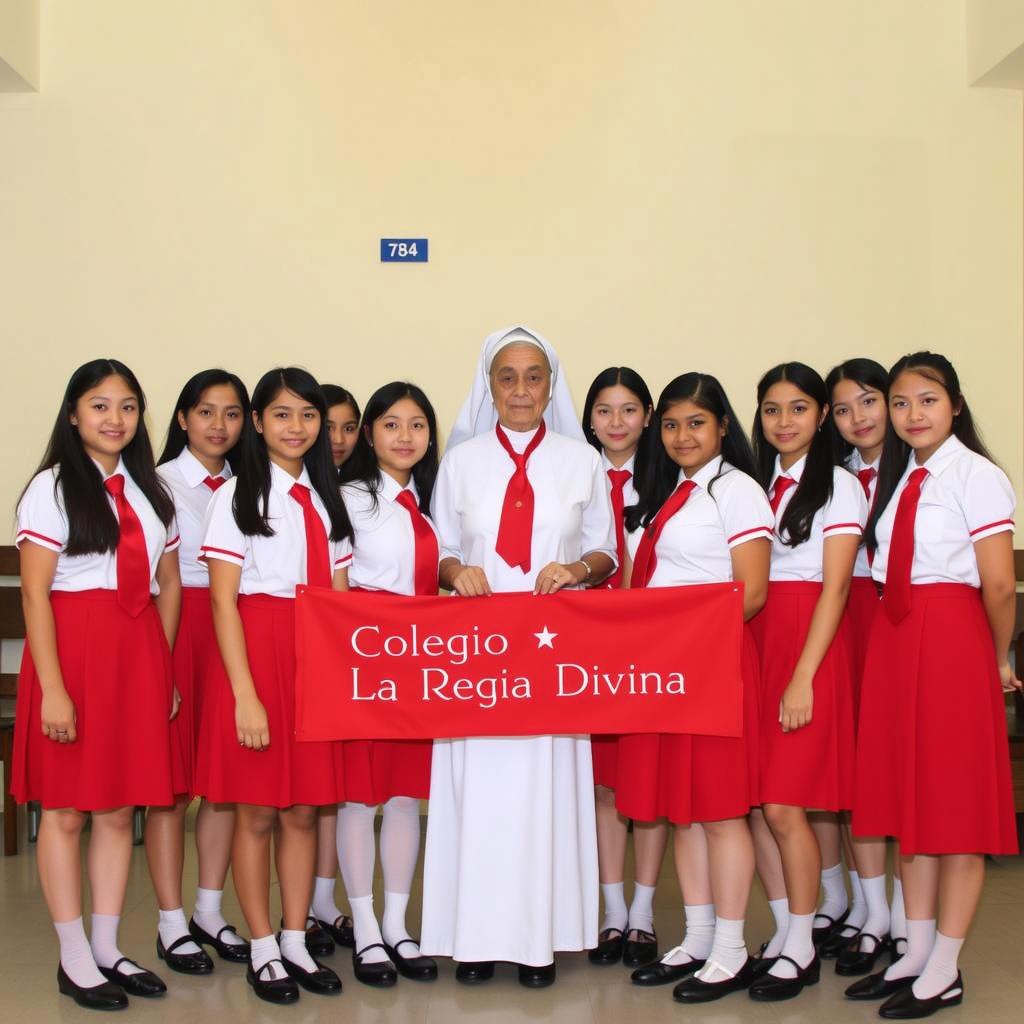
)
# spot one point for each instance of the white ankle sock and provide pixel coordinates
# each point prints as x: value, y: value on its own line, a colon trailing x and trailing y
x: 173, y: 926
x: 920, y: 939
x: 780, y: 911
x: 208, y: 916
x: 799, y: 946
x: 293, y: 948
x: 941, y: 970
x: 615, y: 912
x: 835, y: 902
x: 393, y: 924
x: 699, y: 937
x: 262, y: 951
x: 641, y: 910
x: 76, y: 954
x: 323, y: 907
x: 367, y: 931
x: 898, y: 916
x: 104, y: 943
x: 877, y: 923
x: 728, y: 952
x: 859, y: 906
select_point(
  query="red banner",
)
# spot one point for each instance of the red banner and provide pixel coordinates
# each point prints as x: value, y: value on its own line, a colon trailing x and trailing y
x: 379, y: 666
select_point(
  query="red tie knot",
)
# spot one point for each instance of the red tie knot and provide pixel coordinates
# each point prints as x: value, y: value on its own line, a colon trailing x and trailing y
x: 917, y: 477
x: 619, y: 477
x: 213, y: 482
x: 301, y: 494
x: 115, y: 485
x: 408, y: 501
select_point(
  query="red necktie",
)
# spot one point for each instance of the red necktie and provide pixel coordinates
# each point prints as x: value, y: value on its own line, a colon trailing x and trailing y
x: 318, y: 564
x: 645, y: 561
x: 515, y: 530
x: 213, y: 482
x: 427, y: 554
x: 896, y: 596
x: 865, y: 476
x: 779, y: 488
x: 619, y: 478
x: 132, y: 555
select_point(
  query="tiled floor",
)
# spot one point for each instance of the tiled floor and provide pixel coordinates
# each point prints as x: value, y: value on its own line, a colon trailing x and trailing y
x: 588, y: 995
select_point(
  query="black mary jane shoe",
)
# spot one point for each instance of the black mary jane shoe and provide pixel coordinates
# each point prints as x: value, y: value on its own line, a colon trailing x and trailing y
x: 184, y: 963
x: 235, y: 953
x: 693, y: 990
x: 904, y: 1005
x: 143, y: 983
x: 379, y: 975
x: 609, y: 947
x: 852, y: 962
x: 661, y: 973
x: 322, y: 981
x: 537, y: 977
x: 762, y: 963
x: 105, y: 996
x: 318, y: 942
x: 415, y: 968
x: 821, y: 932
x: 877, y: 987
x: 641, y: 950
x: 895, y: 953
x: 838, y: 941
x: 271, y: 989
x: 474, y: 972
x: 769, y: 989
x: 341, y: 930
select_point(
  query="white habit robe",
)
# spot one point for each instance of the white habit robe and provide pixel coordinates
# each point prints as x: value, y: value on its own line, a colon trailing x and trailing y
x: 510, y: 871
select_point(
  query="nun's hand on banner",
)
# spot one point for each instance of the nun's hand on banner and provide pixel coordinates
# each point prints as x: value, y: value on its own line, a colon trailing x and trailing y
x: 553, y: 577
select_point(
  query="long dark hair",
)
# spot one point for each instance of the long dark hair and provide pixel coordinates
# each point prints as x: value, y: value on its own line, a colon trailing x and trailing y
x: 335, y: 394
x: 190, y: 397
x: 253, y: 488
x: 362, y: 467
x: 815, y: 487
x: 866, y: 373
x: 633, y: 382
x: 92, y: 523
x: 707, y: 393
x: 896, y: 452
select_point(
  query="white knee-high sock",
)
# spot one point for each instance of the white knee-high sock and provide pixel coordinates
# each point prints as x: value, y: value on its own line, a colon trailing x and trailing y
x: 76, y: 954
x: 104, y: 943
x: 399, y: 843
x: 615, y: 913
x: 641, y: 910
x: 920, y: 939
x: 941, y: 969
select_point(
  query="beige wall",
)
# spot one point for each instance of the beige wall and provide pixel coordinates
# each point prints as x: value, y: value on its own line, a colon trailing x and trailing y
x: 19, y: 45
x: 687, y: 184
x: 995, y: 42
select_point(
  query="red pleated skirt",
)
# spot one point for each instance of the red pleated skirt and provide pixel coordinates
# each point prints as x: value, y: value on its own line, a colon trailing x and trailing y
x: 377, y: 770
x: 117, y: 672
x: 288, y: 772
x: 860, y: 614
x: 604, y: 752
x: 813, y: 766
x: 690, y: 778
x: 933, y: 763
x: 195, y: 651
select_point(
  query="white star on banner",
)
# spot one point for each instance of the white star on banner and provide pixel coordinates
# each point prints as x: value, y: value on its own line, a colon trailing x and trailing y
x: 544, y: 639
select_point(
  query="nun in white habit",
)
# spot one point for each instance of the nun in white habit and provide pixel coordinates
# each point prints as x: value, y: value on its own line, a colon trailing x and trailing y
x: 510, y: 871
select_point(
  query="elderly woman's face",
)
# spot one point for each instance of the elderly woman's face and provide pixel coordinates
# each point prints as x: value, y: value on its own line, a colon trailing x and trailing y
x: 520, y: 385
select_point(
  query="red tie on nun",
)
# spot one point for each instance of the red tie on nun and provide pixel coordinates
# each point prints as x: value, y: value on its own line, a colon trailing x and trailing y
x: 896, y: 596
x: 646, y: 560
x: 619, y: 479
x: 318, y: 563
x: 427, y: 553
x: 132, y: 556
x: 515, y: 529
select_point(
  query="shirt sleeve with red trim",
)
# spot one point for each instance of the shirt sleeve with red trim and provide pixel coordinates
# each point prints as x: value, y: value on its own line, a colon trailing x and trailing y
x: 743, y: 507
x: 847, y: 511
x: 41, y: 516
x: 988, y: 500
x: 173, y: 536
x: 222, y: 539
x: 341, y: 553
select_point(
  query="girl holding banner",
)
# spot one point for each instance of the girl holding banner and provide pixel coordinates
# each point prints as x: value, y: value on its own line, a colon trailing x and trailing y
x: 519, y: 506
x: 702, y: 518
x: 616, y: 415
x: 395, y: 551
x: 806, y: 741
